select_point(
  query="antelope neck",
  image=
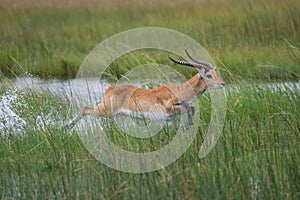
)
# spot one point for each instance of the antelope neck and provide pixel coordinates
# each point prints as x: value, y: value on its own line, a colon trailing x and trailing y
x: 197, y: 85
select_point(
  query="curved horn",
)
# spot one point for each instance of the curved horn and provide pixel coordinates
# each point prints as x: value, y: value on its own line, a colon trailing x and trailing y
x: 210, y: 66
x: 195, y: 65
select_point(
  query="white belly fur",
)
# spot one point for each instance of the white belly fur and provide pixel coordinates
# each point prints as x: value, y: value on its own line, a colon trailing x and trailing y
x: 155, y: 116
x: 155, y: 113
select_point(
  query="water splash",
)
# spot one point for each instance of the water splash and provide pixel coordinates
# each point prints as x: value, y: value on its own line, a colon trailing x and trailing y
x: 9, y: 120
x: 21, y: 106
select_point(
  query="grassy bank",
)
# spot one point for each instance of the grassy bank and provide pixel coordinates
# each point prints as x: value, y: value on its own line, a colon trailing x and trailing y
x: 247, y: 39
x: 257, y: 155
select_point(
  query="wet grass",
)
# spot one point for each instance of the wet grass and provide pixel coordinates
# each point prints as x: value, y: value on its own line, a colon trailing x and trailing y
x: 247, y: 39
x: 256, y: 157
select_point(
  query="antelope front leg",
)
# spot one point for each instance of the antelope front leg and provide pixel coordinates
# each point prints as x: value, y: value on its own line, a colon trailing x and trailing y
x: 190, y: 110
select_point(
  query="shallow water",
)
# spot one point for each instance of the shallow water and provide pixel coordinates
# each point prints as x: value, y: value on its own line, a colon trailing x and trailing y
x: 77, y: 91
x: 70, y: 91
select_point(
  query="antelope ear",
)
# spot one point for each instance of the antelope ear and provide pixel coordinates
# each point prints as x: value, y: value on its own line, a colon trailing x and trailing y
x: 201, y: 75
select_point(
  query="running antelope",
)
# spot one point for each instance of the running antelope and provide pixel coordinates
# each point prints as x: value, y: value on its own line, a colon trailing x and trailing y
x: 161, y: 103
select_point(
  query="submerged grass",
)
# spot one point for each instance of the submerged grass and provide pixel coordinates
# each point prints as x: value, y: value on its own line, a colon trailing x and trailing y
x: 257, y: 156
x: 247, y: 39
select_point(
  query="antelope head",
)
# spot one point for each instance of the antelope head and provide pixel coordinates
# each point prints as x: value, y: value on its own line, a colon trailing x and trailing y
x: 207, y: 73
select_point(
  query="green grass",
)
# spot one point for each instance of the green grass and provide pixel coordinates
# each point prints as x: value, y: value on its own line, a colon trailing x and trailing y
x: 247, y: 39
x: 257, y: 155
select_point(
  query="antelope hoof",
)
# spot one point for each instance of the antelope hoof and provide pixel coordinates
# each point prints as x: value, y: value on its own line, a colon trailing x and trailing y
x: 70, y: 126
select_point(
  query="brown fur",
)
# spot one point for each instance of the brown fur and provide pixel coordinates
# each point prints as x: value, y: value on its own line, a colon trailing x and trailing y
x: 172, y: 99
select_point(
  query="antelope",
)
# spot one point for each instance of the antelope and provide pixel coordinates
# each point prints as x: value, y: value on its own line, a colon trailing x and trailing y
x: 162, y: 103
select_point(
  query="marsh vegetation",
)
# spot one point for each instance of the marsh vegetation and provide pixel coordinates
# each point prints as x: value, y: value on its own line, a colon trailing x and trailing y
x: 256, y: 48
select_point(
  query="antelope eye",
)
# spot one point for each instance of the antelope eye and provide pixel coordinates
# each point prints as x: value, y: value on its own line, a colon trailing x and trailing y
x: 209, y: 76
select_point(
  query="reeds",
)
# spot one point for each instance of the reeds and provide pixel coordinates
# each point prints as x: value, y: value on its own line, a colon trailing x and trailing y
x: 257, y: 155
